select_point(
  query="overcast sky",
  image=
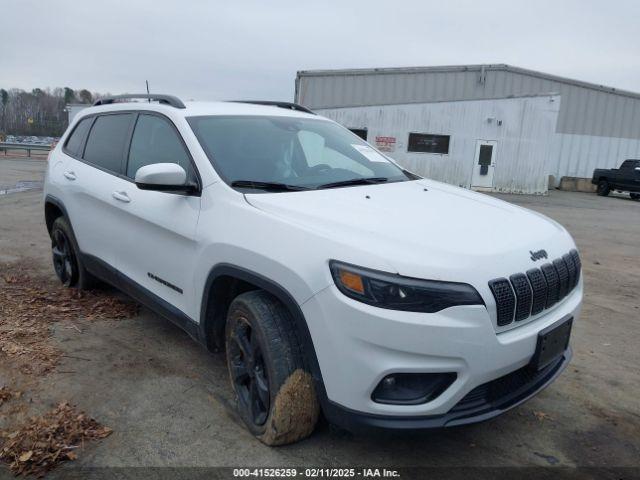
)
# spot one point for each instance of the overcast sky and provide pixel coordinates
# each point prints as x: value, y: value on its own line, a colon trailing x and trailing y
x: 206, y: 49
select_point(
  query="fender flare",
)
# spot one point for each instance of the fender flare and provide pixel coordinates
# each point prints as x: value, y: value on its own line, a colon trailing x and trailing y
x: 278, y: 291
x: 58, y: 203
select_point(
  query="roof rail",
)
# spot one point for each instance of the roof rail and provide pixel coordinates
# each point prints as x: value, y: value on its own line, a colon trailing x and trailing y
x: 164, y: 99
x: 287, y: 105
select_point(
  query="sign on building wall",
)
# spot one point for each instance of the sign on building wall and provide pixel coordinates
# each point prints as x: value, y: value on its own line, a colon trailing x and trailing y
x: 386, y: 144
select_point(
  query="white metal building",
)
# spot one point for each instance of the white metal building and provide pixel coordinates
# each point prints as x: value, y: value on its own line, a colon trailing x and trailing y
x: 496, y: 144
x: 596, y: 127
x: 73, y: 109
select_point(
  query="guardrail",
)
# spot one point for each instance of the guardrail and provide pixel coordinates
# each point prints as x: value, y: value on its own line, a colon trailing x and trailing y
x: 24, y: 146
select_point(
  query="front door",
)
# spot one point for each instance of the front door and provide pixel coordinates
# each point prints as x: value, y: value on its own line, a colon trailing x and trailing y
x: 484, y: 164
x: 157, y: 230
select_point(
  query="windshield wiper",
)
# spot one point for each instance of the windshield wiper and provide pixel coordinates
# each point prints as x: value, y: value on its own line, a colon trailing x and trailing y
x: 354, y: 181
x: 271, y: 186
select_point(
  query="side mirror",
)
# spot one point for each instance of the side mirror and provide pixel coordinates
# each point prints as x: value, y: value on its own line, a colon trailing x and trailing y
x: 164, y: 177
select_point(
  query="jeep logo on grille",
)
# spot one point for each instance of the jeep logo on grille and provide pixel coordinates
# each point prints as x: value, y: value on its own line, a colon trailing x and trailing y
x: 538, y: 255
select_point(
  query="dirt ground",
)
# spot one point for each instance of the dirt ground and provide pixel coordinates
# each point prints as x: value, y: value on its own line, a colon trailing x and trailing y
x: 169, y: 403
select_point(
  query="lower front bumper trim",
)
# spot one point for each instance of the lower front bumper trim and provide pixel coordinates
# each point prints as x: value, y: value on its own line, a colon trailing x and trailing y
x: 482, y: 403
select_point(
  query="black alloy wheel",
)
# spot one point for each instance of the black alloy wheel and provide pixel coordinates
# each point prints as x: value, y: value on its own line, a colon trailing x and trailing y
x: 64, y: 261
x: 248, y: 372
x: 275, y: 394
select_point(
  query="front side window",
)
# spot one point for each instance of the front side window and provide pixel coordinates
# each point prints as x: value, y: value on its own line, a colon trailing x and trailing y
x: 156, y: 141
x: 106, y: 141
x: 299, y: 152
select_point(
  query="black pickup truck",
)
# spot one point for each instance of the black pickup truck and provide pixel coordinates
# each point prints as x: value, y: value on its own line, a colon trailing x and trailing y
x: 626, y: 179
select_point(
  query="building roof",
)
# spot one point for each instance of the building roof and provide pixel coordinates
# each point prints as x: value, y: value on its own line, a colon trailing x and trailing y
x: 466, y: 68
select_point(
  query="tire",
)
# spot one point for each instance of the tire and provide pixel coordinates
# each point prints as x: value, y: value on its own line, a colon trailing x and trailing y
x: 66, y: 257
x: 275, y: 394
x: 635, y: 196
x: 603, y: 188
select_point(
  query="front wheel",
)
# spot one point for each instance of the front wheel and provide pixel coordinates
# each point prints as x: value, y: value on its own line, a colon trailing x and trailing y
x: 275, y: 394
x: 635, y: 196
x: 603, y: 188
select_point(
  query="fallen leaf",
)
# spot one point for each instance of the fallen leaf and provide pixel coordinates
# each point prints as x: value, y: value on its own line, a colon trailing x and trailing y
x: 47, y: 440
x: 26, y: 456
x: 542, y: 416
x: 30, y: 304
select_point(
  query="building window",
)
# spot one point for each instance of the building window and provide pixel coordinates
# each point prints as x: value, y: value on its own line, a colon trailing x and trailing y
x: 361, y: 132
x: 428, y: 143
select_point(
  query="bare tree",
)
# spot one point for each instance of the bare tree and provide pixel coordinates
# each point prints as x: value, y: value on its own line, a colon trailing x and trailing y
x: 39, y: 112
x: 4, y: 97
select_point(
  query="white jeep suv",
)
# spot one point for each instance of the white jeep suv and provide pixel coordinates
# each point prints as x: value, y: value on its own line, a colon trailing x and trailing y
x: 335, y: 280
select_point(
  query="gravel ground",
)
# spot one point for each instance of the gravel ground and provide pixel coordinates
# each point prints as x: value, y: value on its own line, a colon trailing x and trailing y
x: 169, y: 403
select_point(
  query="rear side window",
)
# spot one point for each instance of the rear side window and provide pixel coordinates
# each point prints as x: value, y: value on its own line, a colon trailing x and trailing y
x: 107, y: 140
x: 156, y: 141
x: 74, y: 143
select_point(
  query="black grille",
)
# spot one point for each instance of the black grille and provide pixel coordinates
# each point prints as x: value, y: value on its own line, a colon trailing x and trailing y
x: 577, y: 263
x: 505, y: 300
x: 553, y: 284
x: 563, y: 275
x: 507, y: 390
x: 539, y: 286
x: 571, y: 266
x: 524, y: 295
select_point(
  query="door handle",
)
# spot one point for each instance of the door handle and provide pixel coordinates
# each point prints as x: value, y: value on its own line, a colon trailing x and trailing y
x: 121, y: 196
x: 69, y: 175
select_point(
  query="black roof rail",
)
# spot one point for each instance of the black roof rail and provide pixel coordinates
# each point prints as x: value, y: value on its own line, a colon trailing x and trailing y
x: 164, y: 99
x: 287, y: 105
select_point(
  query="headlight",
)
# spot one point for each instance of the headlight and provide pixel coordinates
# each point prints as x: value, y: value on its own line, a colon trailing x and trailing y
x: 387, y: 290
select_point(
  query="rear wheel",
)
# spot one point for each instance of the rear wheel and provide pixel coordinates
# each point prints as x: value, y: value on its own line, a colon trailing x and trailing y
x: 66, y: 257
x: 275, y: 395
x: 635, y: 196
x: 603, y: 188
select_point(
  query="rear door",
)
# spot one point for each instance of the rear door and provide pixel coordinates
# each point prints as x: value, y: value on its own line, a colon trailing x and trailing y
x: 157, y: 244
x: 94, y: 173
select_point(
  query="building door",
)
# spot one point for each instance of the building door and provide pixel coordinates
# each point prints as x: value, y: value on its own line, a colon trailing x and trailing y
x: 484, y: 164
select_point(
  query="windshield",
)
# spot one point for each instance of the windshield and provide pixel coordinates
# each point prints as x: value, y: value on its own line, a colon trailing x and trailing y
x: 290, y: 152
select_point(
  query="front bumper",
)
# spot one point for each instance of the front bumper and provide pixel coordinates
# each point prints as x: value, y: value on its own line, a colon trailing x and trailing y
x: 482, y: 403
x: 357, y: 345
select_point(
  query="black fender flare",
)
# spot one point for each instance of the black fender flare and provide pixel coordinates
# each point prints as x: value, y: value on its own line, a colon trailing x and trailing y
x: 278, y: 291
x: 58, y: 203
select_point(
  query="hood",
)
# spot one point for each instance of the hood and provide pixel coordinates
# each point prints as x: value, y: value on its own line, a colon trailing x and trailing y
x: 423, y: 228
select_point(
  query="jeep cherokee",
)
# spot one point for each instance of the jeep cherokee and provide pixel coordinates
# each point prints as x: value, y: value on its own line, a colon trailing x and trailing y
x: 336, y: 281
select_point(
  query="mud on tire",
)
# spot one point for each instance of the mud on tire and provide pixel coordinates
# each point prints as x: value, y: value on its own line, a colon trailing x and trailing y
x: 275, y: 394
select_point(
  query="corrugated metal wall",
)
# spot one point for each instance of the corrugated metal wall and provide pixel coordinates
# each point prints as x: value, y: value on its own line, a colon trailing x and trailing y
x: 587, y: 110
x: 580, y: 155
x: 523, y: 148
